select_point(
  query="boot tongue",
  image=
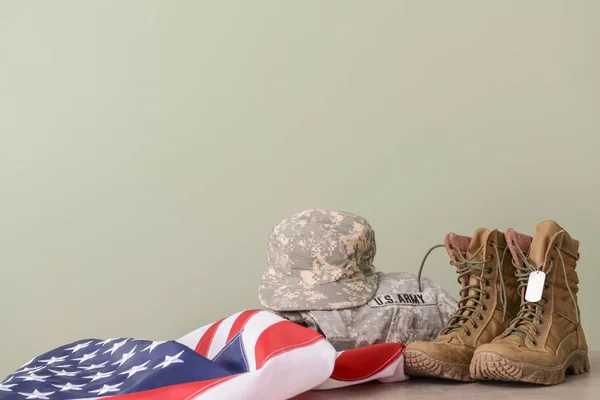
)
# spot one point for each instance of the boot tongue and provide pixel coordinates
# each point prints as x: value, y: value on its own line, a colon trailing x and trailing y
x: 544, y: 232
x: 523, y: 241
x: 479, y: 239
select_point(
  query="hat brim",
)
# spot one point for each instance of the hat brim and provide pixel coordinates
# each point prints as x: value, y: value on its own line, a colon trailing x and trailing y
x: 279, y: 296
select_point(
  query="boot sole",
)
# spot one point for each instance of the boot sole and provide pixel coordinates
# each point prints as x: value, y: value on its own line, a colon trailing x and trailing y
x: 417, y: 363
x: 491, y: 366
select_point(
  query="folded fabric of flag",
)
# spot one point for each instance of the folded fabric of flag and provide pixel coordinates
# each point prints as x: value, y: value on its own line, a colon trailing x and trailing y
x: 252, y: 354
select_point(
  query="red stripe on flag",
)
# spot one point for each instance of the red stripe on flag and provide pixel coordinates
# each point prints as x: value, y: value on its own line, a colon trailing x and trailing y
x: 206, y: 339
x: 183, y: 391
x: 240, y: 322
x: 361, y: 363
x: 281, y: 337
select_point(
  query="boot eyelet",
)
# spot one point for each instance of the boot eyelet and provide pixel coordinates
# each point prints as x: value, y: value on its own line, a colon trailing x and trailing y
x: 489, y: 270
x: 483, y: 307
x: 480, y: 317
x: 487, y: 283
x: 475, y: 326
x: 468, y: 333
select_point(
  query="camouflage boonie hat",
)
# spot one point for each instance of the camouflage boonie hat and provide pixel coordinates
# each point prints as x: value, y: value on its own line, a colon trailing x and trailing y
x: 319, y: 260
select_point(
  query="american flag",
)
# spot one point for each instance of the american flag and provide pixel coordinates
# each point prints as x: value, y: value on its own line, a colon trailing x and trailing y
x: 252, y: 354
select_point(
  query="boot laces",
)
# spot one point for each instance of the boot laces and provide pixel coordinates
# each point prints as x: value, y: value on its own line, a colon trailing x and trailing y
x: 531, y: 312
x: 467, y: 269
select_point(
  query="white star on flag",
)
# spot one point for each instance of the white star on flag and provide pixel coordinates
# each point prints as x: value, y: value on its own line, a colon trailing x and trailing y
x: 107, y: 341
x: 37, y: 395
x: 52, y: 360
x: 135, y: 369
x: 152, y: 346
x: 115, y: 347
x: 107, y: 388
x: 86, y: 357
x: 63, y: 366
x: 94, y: 366
x: 68, y: 386
x: 170, y: 360
x: 99, y: 375
x: 63, y: 372
x: 125, y: 357
x: 34, y: 377
x: 79, y: 346
x: 6, y: 388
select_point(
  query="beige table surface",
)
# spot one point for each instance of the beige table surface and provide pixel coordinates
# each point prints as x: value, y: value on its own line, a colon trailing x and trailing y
x: 575, y: 387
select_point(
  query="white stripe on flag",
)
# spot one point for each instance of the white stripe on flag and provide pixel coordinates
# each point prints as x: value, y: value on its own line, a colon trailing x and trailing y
x: 255, y: 326
x: 220, y: 338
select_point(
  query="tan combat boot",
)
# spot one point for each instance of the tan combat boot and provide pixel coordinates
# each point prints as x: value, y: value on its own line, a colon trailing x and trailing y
x: 545, y: 340
x: 488, y: 302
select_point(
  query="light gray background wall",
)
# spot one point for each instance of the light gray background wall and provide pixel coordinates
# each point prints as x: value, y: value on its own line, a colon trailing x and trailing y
x: 148, y: 147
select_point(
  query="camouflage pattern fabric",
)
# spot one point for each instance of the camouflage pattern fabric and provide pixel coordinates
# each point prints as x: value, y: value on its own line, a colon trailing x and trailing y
x: 397, y: 313
x: 319, y: 260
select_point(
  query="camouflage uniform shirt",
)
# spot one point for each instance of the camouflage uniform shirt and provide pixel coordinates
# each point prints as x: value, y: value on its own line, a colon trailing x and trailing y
x: 397, y: 313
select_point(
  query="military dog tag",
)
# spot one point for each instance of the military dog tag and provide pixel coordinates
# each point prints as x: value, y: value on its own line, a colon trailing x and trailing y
x: 535, y: 286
